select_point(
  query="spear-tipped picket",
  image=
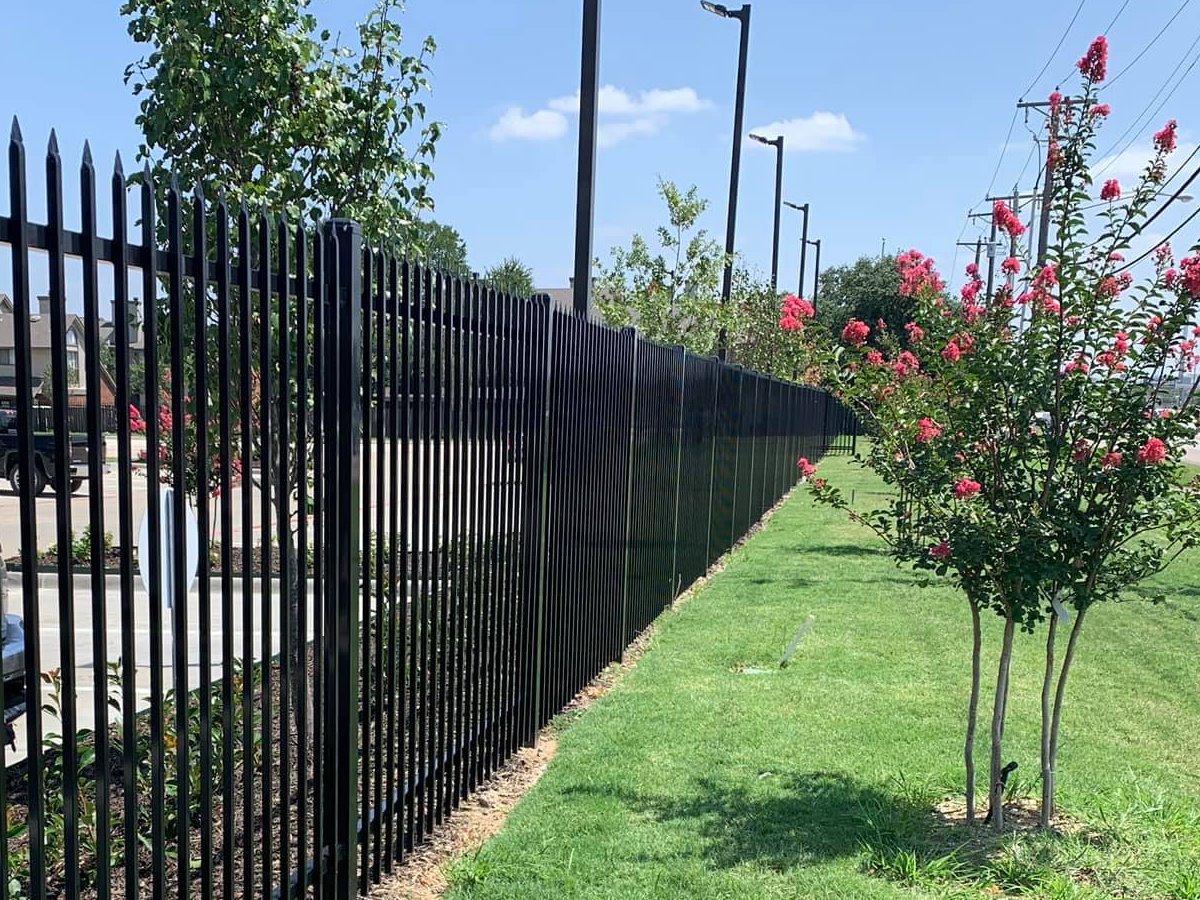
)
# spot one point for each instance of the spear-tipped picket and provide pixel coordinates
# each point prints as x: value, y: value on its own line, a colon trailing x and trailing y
x: 55, y: 234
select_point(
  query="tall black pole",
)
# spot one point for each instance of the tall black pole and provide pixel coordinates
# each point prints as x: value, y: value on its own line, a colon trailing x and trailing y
x: 585, y: 195
x: 816, y: 272
x: 739, y: 109
x: 778, y: 205
x: 803, y: 247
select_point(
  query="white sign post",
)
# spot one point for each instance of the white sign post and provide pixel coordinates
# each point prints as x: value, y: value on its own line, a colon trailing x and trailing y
x: 166, y: 537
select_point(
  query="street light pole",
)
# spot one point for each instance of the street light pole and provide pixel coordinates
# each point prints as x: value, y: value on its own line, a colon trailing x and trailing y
x: 816, y: 272
x: 585, y: 195
x: 743, y: 16
x: 803, y: 208
x: 777, y: 143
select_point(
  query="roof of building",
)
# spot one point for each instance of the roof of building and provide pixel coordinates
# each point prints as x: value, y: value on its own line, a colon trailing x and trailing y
x: 39, y: 326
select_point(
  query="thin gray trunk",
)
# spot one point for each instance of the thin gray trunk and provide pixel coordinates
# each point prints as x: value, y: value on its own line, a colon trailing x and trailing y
x: 973, y: 712
x: 996, y: 791
x: 1047, y: 763
x: 1056, y: 721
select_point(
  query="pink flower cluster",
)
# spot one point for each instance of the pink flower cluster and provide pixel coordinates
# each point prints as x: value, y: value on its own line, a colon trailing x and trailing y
x: 795, y: 311
x: 1007, y: 220
x: 856, y: 332
x: 1079, y: 364
x: 940, y: 551
x: 917, y: 274
x: 1165, y: 140
x: 915, y: 332
x: 927, y: 430
x: 1011, y: 266
x: 1189, y: 270
x: 1111, y: 190
x: 806, y: 468
x: 906, y: 364
x: 1101, y: 110
x: 1094, y: 64
x: 1152, y: 452
x: 965, y: 489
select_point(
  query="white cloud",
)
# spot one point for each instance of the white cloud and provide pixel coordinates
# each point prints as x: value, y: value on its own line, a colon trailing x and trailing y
x: 822, y: 132
x: 1128, y: 165
x: 612, y: 101
x: 542, y: 125
x: 609, y: 134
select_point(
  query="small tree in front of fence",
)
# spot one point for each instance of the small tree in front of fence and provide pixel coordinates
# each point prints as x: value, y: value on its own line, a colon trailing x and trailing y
x: 1032, y: 466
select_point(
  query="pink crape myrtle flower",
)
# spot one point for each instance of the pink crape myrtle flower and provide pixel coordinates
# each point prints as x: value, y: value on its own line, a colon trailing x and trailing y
x: 1094, y: 64
x: 1189, y: 269
x: 806, y: 468
x: 915, y: 332
x: 965, y: 488
x: 856, y: 332
x: 1112, y: 460
x: 875, y: 358
x: 1078, y: 364
x: 1011, y: 266
x: 1165, y: 140
x: 940, y: 550
x: 927, y: 430
x: 1111, y: 190
x: 1007, y: 220
x: 1100, y: 110
x: 906, y: 364
x: 951, y: 352
x: 1163, y: 255
x: 1152, y: 452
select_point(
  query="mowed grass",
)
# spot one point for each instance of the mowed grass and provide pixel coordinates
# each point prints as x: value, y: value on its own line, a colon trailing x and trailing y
x: 711, y: 772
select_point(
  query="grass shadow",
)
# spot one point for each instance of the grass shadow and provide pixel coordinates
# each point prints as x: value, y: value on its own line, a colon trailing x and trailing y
x: 781, y: 821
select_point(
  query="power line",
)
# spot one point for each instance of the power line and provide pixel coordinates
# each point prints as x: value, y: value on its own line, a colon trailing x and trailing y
x: 1054, y: 52
x: 1175, y: 196
x: 1146, y: 49
x: 1178, y: 229
x: 1137, y: 122
x: 1109, y: 26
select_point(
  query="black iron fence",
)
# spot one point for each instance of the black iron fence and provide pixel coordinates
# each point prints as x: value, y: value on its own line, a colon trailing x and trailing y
x: 368, y: 601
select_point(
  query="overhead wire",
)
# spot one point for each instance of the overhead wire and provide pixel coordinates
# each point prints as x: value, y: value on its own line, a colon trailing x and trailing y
x: 1062, y: 39
x: 1137, y: 123
x: 1178, y: 228
x: 1154, y: 40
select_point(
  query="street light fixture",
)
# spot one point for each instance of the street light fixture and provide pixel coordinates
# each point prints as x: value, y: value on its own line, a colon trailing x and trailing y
x: 739, y: 109
x: 803, y: 240
x: 816, y: 272
x: 777, y: 143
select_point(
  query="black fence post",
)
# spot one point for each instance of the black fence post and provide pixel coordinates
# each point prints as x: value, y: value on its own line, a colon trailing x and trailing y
x: 681, y: 375
x: 343, y: 436
x: 543, y: 367
x: 630, y: 335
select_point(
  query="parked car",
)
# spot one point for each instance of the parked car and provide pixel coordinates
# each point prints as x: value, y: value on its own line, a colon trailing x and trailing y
x: 44, y: 457
x: 12, y: 658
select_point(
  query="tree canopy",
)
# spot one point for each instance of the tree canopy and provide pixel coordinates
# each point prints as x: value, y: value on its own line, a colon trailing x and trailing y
x: 868, y: 290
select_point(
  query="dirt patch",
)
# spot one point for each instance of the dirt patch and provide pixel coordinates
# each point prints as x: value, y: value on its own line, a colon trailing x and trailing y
x: 1022, y: 815
x: 483, y: 814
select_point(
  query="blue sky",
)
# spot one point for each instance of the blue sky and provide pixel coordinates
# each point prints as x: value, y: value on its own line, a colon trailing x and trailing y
x: 897, y: 112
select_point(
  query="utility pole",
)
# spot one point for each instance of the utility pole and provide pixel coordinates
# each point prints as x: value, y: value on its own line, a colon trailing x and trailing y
x: 777, y: 143
x: 977, y: 244
x: 882, y: 247
x: 1047, y: 180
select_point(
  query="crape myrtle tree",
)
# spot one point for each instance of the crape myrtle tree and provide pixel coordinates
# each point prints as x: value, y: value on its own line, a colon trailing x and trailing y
x: 1031, y: 465
x: 251, y: 100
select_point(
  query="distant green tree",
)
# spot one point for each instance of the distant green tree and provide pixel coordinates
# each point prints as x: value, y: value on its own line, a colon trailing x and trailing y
x: 868, y: 290
x: 511, y: 276
x: 755, y: 339
x: 671, y: 293
x: 441, y: 246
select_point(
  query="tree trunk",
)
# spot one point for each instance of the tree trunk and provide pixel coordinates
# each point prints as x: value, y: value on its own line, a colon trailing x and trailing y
x: 973, y: 712
x: 1047, y: 765
x: 1060, y: 692
x: 996, y: 792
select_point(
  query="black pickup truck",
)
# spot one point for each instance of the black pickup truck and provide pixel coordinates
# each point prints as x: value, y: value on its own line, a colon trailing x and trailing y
x: 44, y: 457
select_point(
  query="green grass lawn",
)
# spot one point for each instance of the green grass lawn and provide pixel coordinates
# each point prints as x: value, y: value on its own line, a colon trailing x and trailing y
x: 709, y: 772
